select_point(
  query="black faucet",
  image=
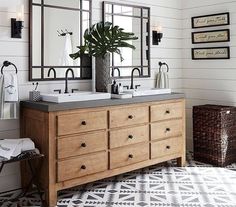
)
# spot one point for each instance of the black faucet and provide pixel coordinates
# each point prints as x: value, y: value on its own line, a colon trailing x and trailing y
x: 54, y: 72
x: 132, y: 77
x: 113, y: 72
x: 73, y: 76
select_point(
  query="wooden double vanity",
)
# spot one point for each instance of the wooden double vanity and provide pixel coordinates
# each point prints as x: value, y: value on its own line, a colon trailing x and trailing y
x: 88, y: 141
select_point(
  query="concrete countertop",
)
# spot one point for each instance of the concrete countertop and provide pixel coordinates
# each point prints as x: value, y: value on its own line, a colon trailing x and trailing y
x: 51, y: 107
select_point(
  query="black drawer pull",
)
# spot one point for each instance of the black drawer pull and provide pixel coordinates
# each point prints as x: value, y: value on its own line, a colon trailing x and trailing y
x: 130, y: 117
x: 131, y: 137
x: 83, y: 123
x: 83, y: 145
x: 131, y: 156
x: 167, y: 129
x: 167, y: 147
x: 83, y: 167
x: 167, y: 111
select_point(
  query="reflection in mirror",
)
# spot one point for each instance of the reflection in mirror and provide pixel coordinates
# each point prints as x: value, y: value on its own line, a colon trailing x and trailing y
x: 56, y: 29
x: 133, y: 19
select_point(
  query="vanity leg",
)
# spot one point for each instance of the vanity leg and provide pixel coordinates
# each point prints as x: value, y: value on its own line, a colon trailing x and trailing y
x: 181, y: 161
x: 51, y: 198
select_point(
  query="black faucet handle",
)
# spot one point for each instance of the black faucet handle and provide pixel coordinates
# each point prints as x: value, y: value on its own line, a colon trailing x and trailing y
x: 74, y: 89
x: 57, y: 90
x: 127, y: 87
x: 136, y: 86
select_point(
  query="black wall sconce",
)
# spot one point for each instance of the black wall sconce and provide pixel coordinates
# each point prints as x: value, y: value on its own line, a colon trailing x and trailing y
x: 17, y: 23
x: 157, y: 35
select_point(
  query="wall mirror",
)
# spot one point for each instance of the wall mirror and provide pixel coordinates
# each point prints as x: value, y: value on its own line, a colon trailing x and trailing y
x: 134, y: 19
x: 56, y: 28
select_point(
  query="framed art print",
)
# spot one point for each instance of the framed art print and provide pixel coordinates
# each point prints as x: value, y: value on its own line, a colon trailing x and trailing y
x: 211, y: 20
x: 210, y: 53
x: 211, y: 36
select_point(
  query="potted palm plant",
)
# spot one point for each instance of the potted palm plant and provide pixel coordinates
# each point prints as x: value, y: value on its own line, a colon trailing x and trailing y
x: 100, y: 40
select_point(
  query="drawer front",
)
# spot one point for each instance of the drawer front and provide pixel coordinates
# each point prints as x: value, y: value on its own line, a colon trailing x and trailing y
x: 81, y: 122
x: 129, y: 116
x: 129, y: 155
x: 82, y: 166
x: 166, y: 111
x: 166, y: 147
x: 129, y: 136
x: 81, y: 144
x: 171, y: 128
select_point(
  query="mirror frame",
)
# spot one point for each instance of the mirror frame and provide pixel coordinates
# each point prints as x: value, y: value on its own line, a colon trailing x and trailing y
x: 42, y: 66
x: 147, y: 39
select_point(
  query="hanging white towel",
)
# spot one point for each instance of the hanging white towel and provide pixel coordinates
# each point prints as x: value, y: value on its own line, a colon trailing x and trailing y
x: 13, y: 147
x: 162, y: 80
x: 66, y: 60
x: 9, y: 96
x: 10, y: 87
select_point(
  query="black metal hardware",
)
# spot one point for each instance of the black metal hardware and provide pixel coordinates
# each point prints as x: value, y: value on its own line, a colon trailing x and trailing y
x: 131, y: 156
x: 127, y: 87
x: 136, y: 86
x: 167, y: 111
x: 83, y: 167
x: 132, y: 77
x: 167, y: 147
x: 113, y: 71
x: 168, y: 129
x: 66, y: 79
x: 83, y: 123
x: 74, y: 89
x: 130, y: 116
x: 54, y: 72
x: 16, y: 28
x: 156, y: 37
x: 62, y: 33
x: 6, y: 64
x: 131, y: 136
x: 83, y: 145
x: 57, y: 90
x: 161, y: 64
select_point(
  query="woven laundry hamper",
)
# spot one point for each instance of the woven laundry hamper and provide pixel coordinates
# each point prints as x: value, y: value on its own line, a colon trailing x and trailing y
x: 214, y: 134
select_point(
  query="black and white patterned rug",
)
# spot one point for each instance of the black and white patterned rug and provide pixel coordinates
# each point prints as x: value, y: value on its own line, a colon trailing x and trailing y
x: 198, y: 185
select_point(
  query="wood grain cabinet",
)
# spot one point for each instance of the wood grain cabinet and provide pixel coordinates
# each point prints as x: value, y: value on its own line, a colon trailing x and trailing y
x: 85, y: 145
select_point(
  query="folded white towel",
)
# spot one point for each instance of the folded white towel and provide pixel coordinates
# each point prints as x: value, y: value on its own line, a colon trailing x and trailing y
x: 162, y: 80
x: 13, y: 147
x: 10, y: 87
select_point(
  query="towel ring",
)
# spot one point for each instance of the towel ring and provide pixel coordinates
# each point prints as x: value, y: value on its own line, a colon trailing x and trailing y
x: 6, y: 64
x: 161, y: 64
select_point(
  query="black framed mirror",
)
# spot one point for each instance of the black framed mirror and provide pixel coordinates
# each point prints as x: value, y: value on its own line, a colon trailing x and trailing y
x: 134, y: 19
x: 56, y: 29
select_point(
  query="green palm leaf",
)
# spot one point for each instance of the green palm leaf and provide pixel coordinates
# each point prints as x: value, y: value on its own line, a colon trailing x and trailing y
x: 102, y: 38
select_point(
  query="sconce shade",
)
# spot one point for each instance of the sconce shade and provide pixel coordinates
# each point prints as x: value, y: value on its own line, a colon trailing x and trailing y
x: 16, y: 28
x: 156, y: 37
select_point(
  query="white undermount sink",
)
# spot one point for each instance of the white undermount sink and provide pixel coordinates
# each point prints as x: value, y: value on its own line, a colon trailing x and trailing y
x: 148, y: 92
x: 78, y: 96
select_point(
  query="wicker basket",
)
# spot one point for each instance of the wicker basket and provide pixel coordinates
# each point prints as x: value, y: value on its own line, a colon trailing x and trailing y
x: 214, y: 134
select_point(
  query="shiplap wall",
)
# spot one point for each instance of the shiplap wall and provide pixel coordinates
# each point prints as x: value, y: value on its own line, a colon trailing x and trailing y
x: 208, y: 81
x: 167, y: 12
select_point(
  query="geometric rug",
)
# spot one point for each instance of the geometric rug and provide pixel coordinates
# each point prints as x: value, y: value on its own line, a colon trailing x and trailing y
x: 198, y: 185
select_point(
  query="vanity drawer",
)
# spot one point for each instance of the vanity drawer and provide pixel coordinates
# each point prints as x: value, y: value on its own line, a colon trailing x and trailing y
x: 129, y: 155
x: 81, y: 144
x: 82, y: 166
x: 166, y: 111
x: 81, y: 122
x: 123, y: 137
x: 164, y: 129
x: 166, y: 147
x: 128, y: 116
